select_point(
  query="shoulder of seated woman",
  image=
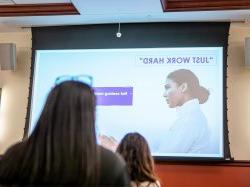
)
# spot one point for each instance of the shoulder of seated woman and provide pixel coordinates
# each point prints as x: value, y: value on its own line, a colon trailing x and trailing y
x: 108, y: 157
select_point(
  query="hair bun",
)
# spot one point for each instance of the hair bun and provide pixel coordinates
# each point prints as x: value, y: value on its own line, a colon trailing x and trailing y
x: 202, y: 94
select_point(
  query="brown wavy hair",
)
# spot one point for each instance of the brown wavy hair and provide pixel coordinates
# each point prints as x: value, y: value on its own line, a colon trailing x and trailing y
x: 136, y: 153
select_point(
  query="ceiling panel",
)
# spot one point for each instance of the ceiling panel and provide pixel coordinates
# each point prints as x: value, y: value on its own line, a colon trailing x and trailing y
x: 40, y: 1
x: 117, y: 6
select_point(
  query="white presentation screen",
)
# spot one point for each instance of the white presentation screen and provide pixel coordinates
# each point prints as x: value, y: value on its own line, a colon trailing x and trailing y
x: 135, y: 93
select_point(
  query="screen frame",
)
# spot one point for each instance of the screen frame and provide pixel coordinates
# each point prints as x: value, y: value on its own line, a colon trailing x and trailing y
x: 42, y: 40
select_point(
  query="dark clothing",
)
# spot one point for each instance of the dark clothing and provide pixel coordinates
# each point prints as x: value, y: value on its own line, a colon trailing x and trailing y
x: 13, y: 172
x: 113, y: 170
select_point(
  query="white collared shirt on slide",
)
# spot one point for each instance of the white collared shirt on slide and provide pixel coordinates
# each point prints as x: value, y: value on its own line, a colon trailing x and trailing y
x: 189, y: 133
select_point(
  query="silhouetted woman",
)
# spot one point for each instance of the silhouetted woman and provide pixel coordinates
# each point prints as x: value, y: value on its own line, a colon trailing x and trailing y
x: 136, y: 153
x: 62, y: 149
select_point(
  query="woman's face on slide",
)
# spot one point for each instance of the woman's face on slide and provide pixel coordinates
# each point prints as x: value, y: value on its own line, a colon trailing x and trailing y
x: 172, y: 94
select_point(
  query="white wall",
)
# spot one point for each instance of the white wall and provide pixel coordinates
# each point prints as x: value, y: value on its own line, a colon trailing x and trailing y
x: 15, y: 88
x: 238, y: 93
x: 15, y: 91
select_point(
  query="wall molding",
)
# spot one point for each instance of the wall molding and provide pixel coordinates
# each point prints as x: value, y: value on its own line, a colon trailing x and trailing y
x: 38, y: 9
x: 199, y: 5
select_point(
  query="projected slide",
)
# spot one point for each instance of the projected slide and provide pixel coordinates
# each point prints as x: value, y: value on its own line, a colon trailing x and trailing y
x: 172, y: 96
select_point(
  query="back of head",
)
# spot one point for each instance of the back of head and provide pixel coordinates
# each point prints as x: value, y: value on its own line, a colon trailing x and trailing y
x: 64, y: 143
x: 136, y: 153
x: 181, y: 76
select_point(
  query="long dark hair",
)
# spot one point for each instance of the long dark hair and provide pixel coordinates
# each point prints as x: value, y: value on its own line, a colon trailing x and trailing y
x: 136, y: 153
x: 62, y: 148
x: 195, y: 90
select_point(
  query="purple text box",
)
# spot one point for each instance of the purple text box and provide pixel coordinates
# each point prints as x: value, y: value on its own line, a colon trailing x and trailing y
x: 107, y: 96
